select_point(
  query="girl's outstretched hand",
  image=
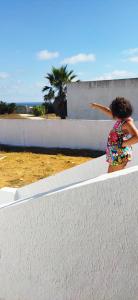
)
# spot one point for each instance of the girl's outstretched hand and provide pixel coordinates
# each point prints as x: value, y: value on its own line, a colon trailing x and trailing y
x: 93, y: 105
x: 102, y: 108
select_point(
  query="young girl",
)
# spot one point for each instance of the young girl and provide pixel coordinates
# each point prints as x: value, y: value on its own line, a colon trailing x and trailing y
x: 122, y: 136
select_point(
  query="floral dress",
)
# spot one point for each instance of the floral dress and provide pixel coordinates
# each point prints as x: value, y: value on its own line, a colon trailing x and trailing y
x: 115, y: 154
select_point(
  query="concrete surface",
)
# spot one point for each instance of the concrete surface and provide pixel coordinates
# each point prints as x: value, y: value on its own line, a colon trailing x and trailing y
x: 80, y: 94
x: 72, y: 236
x: 7, y: 195
x: 79, y: 243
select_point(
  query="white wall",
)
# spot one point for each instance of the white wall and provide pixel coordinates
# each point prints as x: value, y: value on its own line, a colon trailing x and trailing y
x: 76, y: 244
x: 80, y: 94
x: 77, y: 134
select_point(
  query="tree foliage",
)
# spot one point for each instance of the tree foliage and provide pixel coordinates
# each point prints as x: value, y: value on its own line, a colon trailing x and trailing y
x: 57, y: 88
x: 7, y: 108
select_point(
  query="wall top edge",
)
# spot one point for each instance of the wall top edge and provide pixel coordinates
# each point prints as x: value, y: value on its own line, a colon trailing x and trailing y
x: 102, y: 81
x: 99, y: 179
x: 68, y: 120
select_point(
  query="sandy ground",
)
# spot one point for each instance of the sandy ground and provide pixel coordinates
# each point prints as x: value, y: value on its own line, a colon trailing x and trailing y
x: 21, y: 168
x: 31, y: 117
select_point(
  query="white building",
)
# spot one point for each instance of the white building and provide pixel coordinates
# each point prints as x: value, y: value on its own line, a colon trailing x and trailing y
x: 80, y: 94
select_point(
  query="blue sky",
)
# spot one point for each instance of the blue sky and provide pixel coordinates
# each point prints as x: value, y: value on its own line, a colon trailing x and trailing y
x: 96, y: 38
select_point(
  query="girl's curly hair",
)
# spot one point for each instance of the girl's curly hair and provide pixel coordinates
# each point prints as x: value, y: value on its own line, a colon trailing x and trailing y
x: 121, y: 108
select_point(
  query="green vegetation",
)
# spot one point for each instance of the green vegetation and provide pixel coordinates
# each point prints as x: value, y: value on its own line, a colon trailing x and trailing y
x: 7, y: 108
x: 39, y: 110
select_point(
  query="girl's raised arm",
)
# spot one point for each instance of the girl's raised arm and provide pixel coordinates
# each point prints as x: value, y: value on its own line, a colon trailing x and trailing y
x: 102, y: 108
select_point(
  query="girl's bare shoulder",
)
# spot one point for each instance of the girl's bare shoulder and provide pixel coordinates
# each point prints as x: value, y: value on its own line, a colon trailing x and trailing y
x: 129, y: 125
x: 128, y: 122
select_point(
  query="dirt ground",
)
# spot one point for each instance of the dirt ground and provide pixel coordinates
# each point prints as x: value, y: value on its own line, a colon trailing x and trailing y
x: 29, y: 116
x: 18, y: 168
x: 12, y: 116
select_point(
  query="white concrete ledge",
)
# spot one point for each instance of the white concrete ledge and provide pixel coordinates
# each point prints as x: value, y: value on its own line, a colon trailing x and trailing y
x: 59, y: 189
x: 79, y: 243
x: 7, y: 195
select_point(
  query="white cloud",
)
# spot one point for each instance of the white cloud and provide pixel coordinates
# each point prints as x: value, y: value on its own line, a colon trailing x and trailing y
x: 130, y: 51
x: 4, y: 75
x: 133, y: 59
x: 116, y: 74
x: 79, y: 58
x: 131, y: 55
x: 46, y: 55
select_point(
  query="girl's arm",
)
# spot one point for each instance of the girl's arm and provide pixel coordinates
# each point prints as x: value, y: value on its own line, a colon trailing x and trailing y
x: 102, y: 108
x: 131, y: 128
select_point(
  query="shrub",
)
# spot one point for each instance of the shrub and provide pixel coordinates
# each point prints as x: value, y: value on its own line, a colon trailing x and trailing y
x: 39, y: 110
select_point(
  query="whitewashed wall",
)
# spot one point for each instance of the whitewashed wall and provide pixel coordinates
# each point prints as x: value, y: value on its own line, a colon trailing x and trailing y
x: 80, y: 94
x: 77, y: 134
x: 79, y: 243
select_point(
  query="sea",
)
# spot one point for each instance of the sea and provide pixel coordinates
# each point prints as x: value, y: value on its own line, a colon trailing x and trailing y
x: 28, y: 103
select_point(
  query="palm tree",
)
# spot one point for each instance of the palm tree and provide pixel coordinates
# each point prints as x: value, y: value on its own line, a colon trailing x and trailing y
x: 58, y: 79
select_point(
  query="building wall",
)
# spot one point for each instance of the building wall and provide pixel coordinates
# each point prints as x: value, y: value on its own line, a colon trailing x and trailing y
x: 80, y: 94
x: 78, y: 243
x: 75, y: 134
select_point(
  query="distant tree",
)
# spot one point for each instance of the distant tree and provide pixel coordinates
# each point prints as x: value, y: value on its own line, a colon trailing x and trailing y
x: 49, y: 107
x: 11, y: 108
x: 7, y: 108
x: 57, y: 88
x: 3, y: 108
